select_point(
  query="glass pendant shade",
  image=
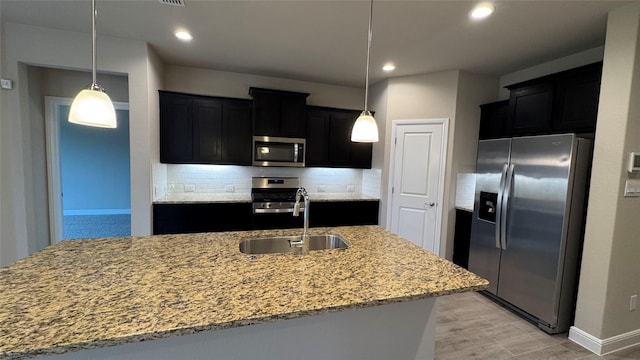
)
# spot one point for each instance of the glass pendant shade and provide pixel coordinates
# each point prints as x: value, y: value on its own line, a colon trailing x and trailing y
x: 93, y: 107
x: 365, y: 129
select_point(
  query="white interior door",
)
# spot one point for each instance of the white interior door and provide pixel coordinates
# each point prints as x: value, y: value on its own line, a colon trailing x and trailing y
x: 416, y: 181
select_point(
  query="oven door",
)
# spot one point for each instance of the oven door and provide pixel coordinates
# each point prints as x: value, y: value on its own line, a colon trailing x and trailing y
x: 270, y: 151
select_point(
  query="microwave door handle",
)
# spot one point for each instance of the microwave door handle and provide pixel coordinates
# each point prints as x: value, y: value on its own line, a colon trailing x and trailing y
x: 295, y: 153
x: 498, y: 227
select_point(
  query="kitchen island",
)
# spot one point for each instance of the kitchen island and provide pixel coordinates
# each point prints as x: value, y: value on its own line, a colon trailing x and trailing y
x: 374, y: 300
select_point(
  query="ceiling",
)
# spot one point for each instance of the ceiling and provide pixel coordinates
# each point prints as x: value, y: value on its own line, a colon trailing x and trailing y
x: 325, y: 41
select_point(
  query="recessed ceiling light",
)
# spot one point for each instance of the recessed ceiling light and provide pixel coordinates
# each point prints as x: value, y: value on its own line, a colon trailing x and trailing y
x: 183, y: 35
x: 388, y: 67
x: 482, y: 11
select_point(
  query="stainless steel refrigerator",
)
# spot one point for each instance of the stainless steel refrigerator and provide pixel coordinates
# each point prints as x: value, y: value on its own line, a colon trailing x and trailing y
x: 528, y: 222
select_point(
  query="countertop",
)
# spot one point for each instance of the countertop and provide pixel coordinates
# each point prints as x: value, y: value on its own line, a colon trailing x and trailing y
x: 83, y: 294
x: 194, y: 198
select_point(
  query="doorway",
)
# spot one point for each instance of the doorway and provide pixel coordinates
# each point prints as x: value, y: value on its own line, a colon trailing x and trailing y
x: 88, y: 175
x: 416, y: 180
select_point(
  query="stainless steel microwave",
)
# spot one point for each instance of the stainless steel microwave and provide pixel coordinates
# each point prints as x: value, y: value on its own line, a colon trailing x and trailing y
x: 278, y: 151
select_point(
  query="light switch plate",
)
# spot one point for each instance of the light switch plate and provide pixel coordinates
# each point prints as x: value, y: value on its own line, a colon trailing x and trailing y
x: 632, y: 188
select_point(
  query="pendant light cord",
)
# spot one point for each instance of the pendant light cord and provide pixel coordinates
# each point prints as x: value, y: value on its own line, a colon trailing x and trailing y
x: 366, y: 83
x: 93, y: 28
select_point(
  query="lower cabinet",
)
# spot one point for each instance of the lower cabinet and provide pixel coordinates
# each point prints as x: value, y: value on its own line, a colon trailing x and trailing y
x: 343, y: 213
x: 462, y: 238
x: 213, y: 217
x: 203, y: 217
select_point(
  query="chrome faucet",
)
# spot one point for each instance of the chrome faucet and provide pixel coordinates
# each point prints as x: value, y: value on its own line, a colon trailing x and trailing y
x: 303, y: 243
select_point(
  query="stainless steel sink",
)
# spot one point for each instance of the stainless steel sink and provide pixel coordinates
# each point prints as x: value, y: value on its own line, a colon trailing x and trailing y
x: 282, y: 244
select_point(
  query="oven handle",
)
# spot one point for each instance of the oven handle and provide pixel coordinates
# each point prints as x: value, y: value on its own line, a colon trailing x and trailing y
x: 272, y: 211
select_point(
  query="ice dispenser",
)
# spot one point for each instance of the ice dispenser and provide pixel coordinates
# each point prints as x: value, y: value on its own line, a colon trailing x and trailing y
x: 488, y: 205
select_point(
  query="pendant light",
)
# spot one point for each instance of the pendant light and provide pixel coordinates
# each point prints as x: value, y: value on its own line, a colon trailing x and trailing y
x: 365, y: 129
x: 92, y: 106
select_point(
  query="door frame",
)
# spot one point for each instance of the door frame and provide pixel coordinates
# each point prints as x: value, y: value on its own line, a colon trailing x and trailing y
x: 444, y: 122
x: 54, y: 183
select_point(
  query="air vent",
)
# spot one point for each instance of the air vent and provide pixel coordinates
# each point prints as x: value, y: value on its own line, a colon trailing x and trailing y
x: 173, y: 2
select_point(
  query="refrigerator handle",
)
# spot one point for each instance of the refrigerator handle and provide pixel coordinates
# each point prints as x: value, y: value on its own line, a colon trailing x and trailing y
x: 505, y: 206
x: 499, y: 205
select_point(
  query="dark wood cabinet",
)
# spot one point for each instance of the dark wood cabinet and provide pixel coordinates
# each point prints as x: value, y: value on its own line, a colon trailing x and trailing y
x: 577, y: 95
x: 493, y: 120
x: 237, y: 139
x: 176, y: 129
x: 462, y: 238
x: 197, y: 129
x: 530, y: 109
x: 329, y: 139
x: 213, y: 217
x: 204, y: 217
x: 278, y: 113
x: 343, y: 213
x: 558, y: 103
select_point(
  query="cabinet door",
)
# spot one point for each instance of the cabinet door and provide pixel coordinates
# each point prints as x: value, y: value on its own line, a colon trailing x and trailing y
x: 266, y: 114
x: 361, y: 154
x: 577, y: 98
x: 207, y: 131
x: 175, y: 129
x: 530, y: 110
x: 236, y: 129
x: 340, y: 139
x: 204, y: 217
x: 293, y: 116
x: 343, y: 213
x: 493, y: 120
x: 317, y: 152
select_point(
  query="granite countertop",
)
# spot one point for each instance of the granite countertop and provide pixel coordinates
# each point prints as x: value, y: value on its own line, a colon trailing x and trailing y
x: 194, y: 198
x: 82, y: 294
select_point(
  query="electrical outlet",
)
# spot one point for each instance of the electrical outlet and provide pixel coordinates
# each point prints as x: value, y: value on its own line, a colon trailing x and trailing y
x: 351, y: 188
x: 6, y: 84
x: 322, y: 188
x: 189, y: 188
x: 229, y: 188
x: 633, y: 302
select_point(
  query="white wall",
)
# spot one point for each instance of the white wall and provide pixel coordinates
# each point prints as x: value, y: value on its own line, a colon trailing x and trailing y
x: 611, y: 263
x: 454, y: 95
x: 565, y: 63
x: 236, y: 85
x: 28, y: 45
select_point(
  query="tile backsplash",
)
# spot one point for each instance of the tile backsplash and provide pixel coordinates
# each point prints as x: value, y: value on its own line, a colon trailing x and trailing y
x: 465, y: 190
x: 181, y: 179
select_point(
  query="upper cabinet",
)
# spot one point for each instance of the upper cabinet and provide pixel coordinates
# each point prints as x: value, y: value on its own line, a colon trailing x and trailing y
x: 557, y: 103
x: 204, y: 130
x: 279, y: 113
x: 329, y: 139
x: 493, y: 120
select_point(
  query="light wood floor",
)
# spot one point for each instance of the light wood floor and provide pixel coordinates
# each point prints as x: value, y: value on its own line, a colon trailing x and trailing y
x: 469, y: 326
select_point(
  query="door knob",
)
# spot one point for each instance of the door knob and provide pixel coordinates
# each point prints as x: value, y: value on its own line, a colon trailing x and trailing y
x: 431, y: 204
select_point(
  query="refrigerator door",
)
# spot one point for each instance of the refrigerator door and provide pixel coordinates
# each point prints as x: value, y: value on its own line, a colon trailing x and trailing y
x: 484, y: 248
x: 533, y: 254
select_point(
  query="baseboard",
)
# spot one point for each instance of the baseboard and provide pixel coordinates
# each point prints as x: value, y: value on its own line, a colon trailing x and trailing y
x: 604, y: 346
x: 97, y: 212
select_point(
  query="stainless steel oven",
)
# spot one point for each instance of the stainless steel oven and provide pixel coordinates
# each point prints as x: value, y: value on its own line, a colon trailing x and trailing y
x: 273, y: 199
x: 278, y: 151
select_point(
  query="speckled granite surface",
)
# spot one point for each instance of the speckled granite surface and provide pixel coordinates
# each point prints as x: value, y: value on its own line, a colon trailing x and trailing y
x: 83, y: 294
x: 238, y: 197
